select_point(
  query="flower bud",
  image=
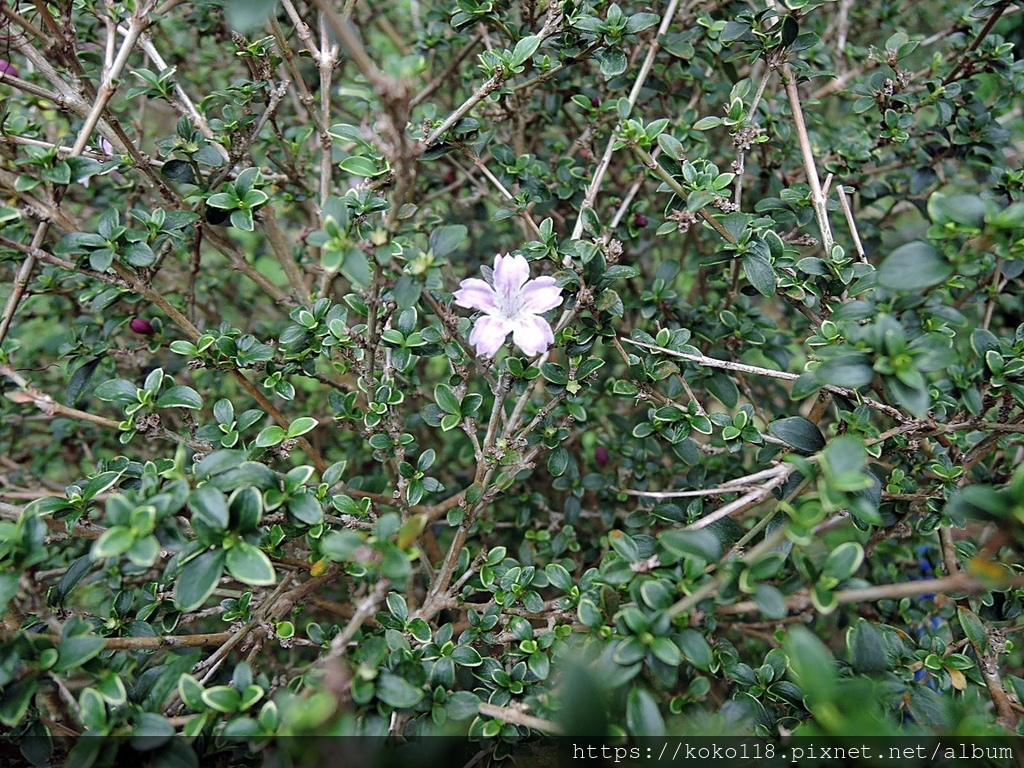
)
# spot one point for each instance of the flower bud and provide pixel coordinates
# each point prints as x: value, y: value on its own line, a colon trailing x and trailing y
x: 639, y: 220
x: 6, y: 68
x: 142, y: 326
x: 601, y: 456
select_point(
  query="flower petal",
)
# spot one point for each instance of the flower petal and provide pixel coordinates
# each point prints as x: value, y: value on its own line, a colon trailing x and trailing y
x: 510, y: 272
x: 476, y: 294
x: 540, y: 295
x: 533, y: 335
x: 489, y: 334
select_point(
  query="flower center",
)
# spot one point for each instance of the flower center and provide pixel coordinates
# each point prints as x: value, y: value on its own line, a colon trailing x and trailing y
x: 510, y: 304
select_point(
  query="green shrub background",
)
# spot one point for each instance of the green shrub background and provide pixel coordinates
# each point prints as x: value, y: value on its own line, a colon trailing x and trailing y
x: 255, y: 481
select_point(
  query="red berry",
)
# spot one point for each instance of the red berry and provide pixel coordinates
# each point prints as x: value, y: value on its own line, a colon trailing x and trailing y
x: 6, y: 68
x: 142, y: 326
x: 639, y: 220
x: 601, y: 456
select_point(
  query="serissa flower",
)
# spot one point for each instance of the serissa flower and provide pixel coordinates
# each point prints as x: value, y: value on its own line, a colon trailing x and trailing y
x: 513, y: 305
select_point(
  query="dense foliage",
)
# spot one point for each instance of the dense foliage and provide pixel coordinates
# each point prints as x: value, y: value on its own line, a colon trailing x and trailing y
x: 257, y: 477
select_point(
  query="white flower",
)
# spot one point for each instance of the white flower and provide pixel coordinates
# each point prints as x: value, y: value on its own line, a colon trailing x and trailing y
x: 513, y: 305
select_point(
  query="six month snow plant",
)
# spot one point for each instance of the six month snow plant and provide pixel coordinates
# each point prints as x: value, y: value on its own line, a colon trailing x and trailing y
x: 513, y: 305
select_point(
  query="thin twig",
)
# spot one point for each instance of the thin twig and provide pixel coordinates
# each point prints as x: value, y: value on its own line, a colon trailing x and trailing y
x: 590, y: 197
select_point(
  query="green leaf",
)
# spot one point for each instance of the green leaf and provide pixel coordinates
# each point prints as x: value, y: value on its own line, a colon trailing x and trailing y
x: 395, y: 565
x: 700, y: 543
x: 198, y: 579
x: 112, y: 689
x: 799, y: 433
x: 358, y: 165
x: 843, y: 561
x: 914, y: 267
x: 407, y: 292
x: 272, y: 435
x: 612, y: 61
x: 117, y: 391
x: 466, y: 656
x: 182, y: 347
x: 356, y: 268
x: 462, y: 705
x: 770, y: 601
x: 81, y: 377
x: 760, y: 273
x: 15, y: 698
x: 805, y: 386
x: 558, y: 461
x: 657, y: 594
x: 8, y: 585
x: 844, y: 461
x: 445, y: 240
x: 695, y: 649
x: 242, y: 219
x: 446, y: 400
x: 301, y: 426
x: 93, y: 709
x: 558, y: 576
x: 179, y: 170
x: 74, y: 651
x: 867, y: 650
x: 396, y: 692
x: 525, y: 49
x: 643, y: 718
x: 984, y: 341
x: 305, y: 507
x: 967, y: 210
x: 638, y: 22
x: 222, y: 200
x: 790, y: 30
x: 149, y: 732
x: 973, y: 627
x: 222, y: 698
x: 812, y: 663
x: 666, y: 651
x: 249, y: 564
x: 115, y: 541
x: 706, y: 123
x: 180, y: 397
x: 341, y: 545
x: 589, y: 613
x: 850, y: 370
x: 210, y: 506
x: 138, y: 254
x: 191, y: 692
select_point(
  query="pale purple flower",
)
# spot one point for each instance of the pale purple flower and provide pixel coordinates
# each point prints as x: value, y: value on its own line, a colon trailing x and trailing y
x: 514, y: 304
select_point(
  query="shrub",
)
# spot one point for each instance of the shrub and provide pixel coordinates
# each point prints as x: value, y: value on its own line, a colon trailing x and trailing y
x: 290, y: 446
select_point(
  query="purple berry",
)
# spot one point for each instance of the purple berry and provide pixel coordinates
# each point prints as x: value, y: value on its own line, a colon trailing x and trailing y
x: 595, y: 102
x: 142, y: 326
x: 6, y: 68
x: 601, y: 456
x: 639, y: 220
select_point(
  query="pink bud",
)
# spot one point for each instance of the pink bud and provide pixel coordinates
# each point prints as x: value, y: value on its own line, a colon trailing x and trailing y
x: 6, y: 68
x: 601, y: 456
x: 142, y: 326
